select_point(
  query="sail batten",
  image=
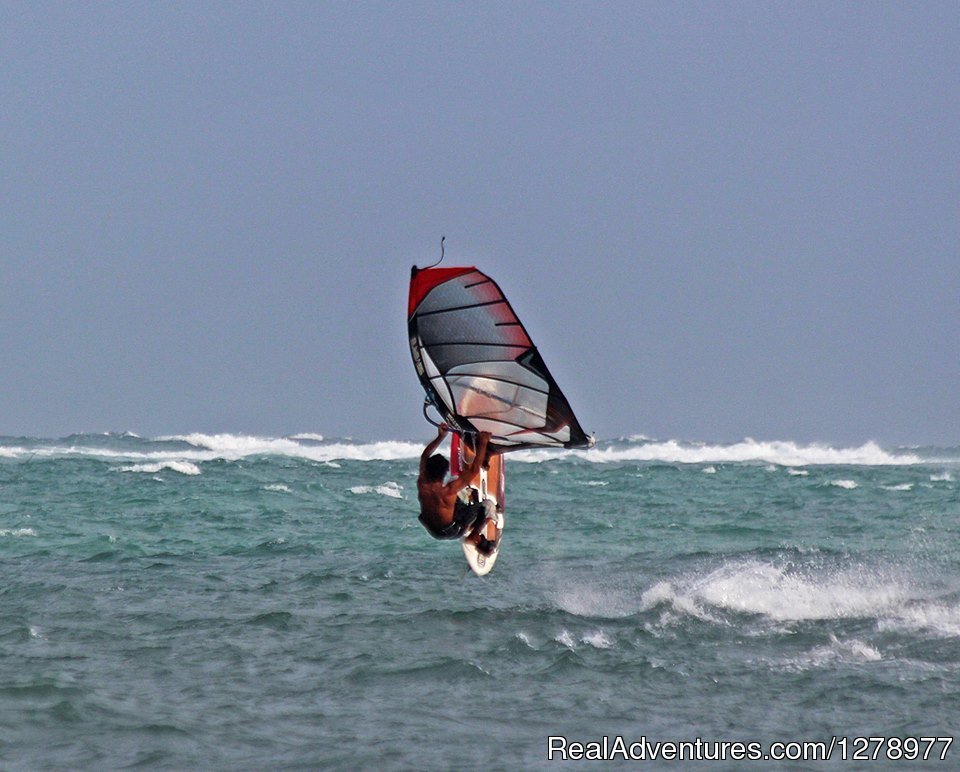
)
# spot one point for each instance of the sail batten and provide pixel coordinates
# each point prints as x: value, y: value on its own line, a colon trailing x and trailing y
x: 479, y: 366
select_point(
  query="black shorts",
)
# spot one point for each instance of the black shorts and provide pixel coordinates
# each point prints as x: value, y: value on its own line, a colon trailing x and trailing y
x: 465, y: 518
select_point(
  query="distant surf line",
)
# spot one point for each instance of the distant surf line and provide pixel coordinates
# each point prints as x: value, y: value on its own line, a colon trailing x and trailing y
x: 198, y: 447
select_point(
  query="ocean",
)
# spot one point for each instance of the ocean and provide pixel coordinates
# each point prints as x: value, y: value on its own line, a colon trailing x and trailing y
x: 233, y: 602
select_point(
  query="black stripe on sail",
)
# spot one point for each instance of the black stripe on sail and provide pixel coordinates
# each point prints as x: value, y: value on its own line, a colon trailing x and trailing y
x: 485, y: 280
x: 490, y: 344
x: 451, y: 309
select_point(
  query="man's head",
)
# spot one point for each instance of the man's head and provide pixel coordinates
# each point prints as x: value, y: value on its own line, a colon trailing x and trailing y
x: 437, y: 466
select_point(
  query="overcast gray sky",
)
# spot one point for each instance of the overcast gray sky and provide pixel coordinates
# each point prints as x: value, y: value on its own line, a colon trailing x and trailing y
x: 717, y: 220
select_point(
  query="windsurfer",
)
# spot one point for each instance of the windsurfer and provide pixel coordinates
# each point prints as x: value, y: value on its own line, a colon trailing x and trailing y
x: 442, y: 512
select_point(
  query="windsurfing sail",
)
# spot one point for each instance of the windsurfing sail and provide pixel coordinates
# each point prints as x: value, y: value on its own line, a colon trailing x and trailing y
x: 478, y: 365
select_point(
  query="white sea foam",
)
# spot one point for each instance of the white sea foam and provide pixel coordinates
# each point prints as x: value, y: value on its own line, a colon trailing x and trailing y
x: 525, y: 639
x: 845, y: 484
x: 183, y: 467
x: 17, y: 532
x: 232, y: 446
x: 238, y: 445
x: 661, y: 592
x: 710, y: 470
x: 597, y: 639
x: 277, y: 488
x: 855, y: 649
x: 681, y: 601
x: 852, y: 650
x: 901, y: 487
x: 783, y: 453
x: 942, y: 477
x: 798, y: 472
x: 773, y: 591
x: 205, y: 447
x: 938, y: 617
x: 390, y: 489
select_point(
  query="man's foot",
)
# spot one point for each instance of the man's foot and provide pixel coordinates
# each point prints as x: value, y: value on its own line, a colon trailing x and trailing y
x: 485, y: 546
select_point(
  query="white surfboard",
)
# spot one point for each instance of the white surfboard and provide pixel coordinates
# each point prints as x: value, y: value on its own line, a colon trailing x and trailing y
x: 487, y: 486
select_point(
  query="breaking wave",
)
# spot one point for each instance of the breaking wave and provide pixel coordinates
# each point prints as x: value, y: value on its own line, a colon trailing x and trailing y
x: 232, y: 446
x: 774, y: 595
x: 198, y: 447
x: 782, y: 453
x: 17, y: 532
x: 784, y: 595
x: 846, y: 484
x: 389, y: 489
x: 894, y: 597
x: 183, y: 451
x: 183, y: 467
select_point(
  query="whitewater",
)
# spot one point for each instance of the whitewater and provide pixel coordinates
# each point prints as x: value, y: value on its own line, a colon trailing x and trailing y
x: 223, y: 601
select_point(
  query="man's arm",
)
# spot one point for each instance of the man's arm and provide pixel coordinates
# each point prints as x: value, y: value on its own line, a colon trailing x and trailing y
x: 432, y: 447
x: 466, y: 475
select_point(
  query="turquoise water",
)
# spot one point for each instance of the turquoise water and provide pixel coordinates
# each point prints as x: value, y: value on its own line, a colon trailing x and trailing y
x: 247, y: 603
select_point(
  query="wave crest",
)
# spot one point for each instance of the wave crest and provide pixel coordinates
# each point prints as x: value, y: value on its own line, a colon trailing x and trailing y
x: 389, y: 489
x: 784, y: 595
x: 197, y: 446
x: 183, y: 467
x: 781, y: 452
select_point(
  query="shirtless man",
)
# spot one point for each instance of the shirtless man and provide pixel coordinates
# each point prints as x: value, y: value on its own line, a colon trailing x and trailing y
x: 442, y: 512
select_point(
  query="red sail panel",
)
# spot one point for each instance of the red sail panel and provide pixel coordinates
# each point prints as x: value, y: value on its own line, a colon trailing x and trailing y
x: 421, y: 282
